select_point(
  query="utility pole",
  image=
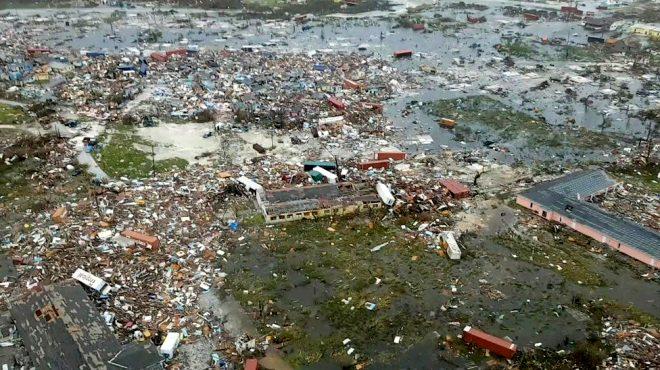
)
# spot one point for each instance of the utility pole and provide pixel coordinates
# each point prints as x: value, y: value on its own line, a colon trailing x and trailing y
x: 153, y: 161
x: 568, y: 36
x: 272, y: 129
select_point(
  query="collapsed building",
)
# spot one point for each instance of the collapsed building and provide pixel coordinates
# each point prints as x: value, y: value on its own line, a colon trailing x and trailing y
x: 61, y: 329
x: 314, y: 201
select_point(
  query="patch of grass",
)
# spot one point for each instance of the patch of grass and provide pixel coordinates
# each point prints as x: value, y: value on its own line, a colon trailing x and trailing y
x: 510, y: 124
x: 583, y: 53
x: 517, y: 48
x: 254, y: 219
x: 11, y: 115
x: 339, y: 264
x: 639, y: 176
x: 119, y: 156
x: 550, y: 253
x: 607, y: 307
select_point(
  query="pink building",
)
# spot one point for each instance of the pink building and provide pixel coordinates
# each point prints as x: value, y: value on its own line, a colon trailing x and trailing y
x: 564, y: 201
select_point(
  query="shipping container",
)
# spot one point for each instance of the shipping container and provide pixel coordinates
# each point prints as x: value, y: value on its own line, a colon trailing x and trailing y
x: 376, y: 107
x: 89, y: 280
x: 531, y: 17
x: 250, y: 185
x: 384, y: 164
x: 453, y: 251
x: 403, y: 53
x: 148, y: 241
x: 455, y: 188
x: 350, y: 84
x: 395, y: 156
x: 385, y: 194
x: 159, y: 57
x: 251, y: 364
x: 332, y: 178
x: 170, y: 344
x: 492, y: 343
x: 337, y: 103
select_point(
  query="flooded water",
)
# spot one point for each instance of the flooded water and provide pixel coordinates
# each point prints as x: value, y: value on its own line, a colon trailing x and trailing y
x: 473, y: 44
x: 494, y: 291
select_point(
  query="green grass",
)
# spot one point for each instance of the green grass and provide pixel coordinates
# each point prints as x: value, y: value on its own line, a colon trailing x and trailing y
x: 580, y: 266
x: 510, y: 124
x: 517, y: 49
x: 342, y: 262
x: 11, y: 115
x: 644, y: 177
x: 583, y: 53
x: 119, y: 157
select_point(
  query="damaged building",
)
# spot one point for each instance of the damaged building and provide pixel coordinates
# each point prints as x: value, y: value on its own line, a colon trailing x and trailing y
x: 564, y: 200
x: 314, y: 201
x: 61, y: 329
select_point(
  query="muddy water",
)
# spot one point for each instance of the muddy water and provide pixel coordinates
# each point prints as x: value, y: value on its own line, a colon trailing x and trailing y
x: 496, y: 292
x: 438, y: 49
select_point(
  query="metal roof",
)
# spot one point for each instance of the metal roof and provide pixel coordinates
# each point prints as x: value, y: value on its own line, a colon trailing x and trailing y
x: 62, y: 329
x: 560, y: 196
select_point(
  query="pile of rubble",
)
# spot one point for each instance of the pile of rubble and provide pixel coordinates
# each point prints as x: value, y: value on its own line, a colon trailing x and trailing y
x: 636, y: 347
x: 632, y: 202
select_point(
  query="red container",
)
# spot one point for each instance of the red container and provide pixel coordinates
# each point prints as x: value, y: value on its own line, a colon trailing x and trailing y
x: 36, y: 51
x: 350, y: 84
x: 180, y: 52
x: 337, y: 103
x: 383, y: 163
x: 251, y: 364
x: 418, y: 27
x: 396, y: 156
x: 531, y: 17
x: 403, y: 53
x: 376, y: 107
x: 456, y: 189
x: 492, y: 343
x: 159, y: 57
x: 149, y: 241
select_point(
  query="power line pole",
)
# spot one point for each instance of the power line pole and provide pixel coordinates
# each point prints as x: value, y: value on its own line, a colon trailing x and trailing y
x: 153, y: 161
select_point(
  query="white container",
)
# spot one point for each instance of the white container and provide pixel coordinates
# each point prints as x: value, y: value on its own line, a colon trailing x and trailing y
x: 249, y: 184
x: 385, y: 194
x: 453, y: 251
x: 332, y: 178
x: 88, y: 279
x: 170, y: 344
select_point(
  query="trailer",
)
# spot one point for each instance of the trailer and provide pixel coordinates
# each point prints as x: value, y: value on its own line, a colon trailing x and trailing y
x: 170, y: 344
